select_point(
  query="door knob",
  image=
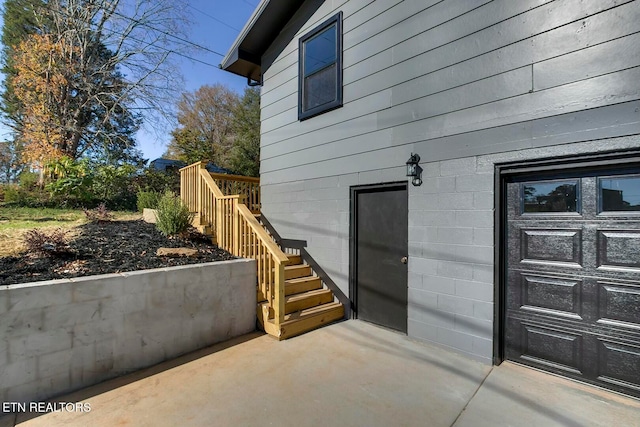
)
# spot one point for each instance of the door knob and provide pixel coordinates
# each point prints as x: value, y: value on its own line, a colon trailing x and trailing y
x: 404, y: 260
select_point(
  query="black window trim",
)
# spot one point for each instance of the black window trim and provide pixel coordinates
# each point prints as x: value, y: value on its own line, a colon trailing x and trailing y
x: 303, y: 115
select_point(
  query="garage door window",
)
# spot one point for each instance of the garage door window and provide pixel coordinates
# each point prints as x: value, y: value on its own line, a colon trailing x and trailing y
x: 550, y: 196
x: 619, y: 194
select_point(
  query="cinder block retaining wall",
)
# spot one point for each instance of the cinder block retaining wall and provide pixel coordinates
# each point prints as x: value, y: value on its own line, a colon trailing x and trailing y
x: 62, y: 335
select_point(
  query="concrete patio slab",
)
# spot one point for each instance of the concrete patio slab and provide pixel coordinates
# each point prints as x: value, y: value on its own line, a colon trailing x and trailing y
x: 514, y: 395
x: 352, y: 374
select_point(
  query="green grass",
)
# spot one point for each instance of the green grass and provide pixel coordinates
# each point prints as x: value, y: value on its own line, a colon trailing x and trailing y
x: 15, y: 221
x: 15, y: 218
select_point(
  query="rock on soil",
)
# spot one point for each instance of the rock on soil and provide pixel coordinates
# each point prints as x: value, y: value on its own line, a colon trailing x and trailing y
x: 110, y: 247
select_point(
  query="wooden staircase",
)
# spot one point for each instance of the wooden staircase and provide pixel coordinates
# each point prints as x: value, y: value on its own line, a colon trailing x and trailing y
x: 291, y: 299
x: 307, y: 303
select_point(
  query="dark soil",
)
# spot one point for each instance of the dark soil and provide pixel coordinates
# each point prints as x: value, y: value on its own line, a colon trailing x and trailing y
x: 108, y: 247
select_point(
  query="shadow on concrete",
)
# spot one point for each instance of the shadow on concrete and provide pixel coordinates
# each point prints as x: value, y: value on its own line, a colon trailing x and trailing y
x: 112, y: 384
x: 390, y: 348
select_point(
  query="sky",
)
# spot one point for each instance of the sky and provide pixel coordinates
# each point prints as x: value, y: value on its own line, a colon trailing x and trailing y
x: 216, y: 24
x: 209, y: 32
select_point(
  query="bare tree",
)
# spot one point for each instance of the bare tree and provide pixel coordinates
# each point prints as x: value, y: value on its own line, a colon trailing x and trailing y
x: 120, y: 68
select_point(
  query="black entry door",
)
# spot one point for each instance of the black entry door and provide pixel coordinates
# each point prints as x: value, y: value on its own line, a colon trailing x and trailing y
x: 573, y: 276
x: 381, y: 227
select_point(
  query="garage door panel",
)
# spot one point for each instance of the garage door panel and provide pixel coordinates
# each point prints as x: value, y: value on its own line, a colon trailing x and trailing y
x: 551, y: 347
x: 573, y: 276
x: 619, y: 248
x: 551, y: 246
x: 619, y: 364
x: 554, y: 296
x: 619, y: 304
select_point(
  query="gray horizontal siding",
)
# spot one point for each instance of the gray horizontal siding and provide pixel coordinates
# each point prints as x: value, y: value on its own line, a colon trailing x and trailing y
x: 403, y: 77
x: 550, y: 59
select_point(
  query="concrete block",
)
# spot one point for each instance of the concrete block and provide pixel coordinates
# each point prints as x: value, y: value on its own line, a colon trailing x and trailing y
x: 421, y: 300
x: 440, y: 251
x: 21, y: 322
x: 21, y: 371
x: 422, y: 202
x: 454, y: 269
x: 454, y: 235
x: 416, y: 218
x: 464, y: 166
x: 97, y: 287
x: 482, y: 346
x: 483, y: 236
x: 476, y: 182
x: 474, y: 218
x: 39, y: 343
x: 435, y: 219
x: 430, y: 169
x: 415, y: 249
x: 437, y: 284
x: 24, y: 392
x: 440, y: 184
x: 4, y: 300
x: 343, y: 205
x: 421, y: 330
x: 483, y: 310
x: 52, y: 364
x: 454, y: 304
x: 414, y: 281
x: 422, y: 265
x: 454, y: 201
x: 39, y: 294
x: 61, y: 316
x: 483, y: 200
x: 483, y: 273
x: 475, y: 254
x: 88, y: 333
x: 455, y: 339
x: 474, y: 290
x: 438, y: 318
x: 473, y: 326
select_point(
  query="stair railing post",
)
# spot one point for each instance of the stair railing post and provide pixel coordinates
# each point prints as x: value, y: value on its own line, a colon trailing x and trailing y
x: 278, y: 303
x: 236, y: 227
x: 199, y: 189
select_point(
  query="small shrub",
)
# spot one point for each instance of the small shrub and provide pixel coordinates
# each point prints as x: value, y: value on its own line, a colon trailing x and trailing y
x: 39, y: 242
x: 99, y: 214
x: 173, y: 217
x: 148, y: 200
x: 12, y: 194
x: 28, y: 180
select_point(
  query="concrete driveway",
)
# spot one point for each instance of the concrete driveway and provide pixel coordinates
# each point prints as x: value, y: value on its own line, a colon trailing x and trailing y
x: 348, y: 374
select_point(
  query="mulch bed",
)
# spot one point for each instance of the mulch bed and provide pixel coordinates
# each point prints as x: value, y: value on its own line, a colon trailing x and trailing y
x: 108, y: 247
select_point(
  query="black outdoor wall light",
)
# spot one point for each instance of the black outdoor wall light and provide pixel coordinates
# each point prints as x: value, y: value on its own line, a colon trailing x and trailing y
x: 414, y: 170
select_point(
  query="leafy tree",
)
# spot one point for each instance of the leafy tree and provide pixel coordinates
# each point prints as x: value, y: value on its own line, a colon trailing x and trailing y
x: 76, y: 101
x: 21, y: 18
x: 10, y: 160
x: 245, y: 153
x: 205, y: 129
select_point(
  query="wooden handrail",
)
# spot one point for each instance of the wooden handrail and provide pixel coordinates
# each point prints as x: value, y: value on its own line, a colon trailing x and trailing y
x: 236, y: 229
x: 240, y: 178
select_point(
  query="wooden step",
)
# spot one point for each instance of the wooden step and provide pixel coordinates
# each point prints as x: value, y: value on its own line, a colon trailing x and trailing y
x: 307, y: 299
x: 295, y: 271
x: 306, y: 320
x: 294, y: 259
x: 301, y: 284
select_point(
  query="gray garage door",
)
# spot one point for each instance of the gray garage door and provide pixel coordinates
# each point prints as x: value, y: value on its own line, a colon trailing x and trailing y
x: 573, y: 276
